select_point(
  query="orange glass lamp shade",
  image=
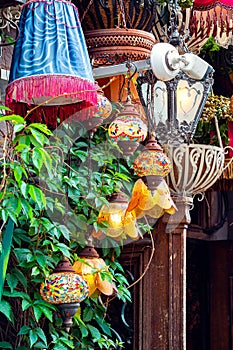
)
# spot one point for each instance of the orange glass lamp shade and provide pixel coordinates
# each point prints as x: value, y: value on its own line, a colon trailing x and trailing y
x: 90, y: 267
x: 121, y: 224
x: 128, y: 129
x: 155, y: 204
x: 66, y: 289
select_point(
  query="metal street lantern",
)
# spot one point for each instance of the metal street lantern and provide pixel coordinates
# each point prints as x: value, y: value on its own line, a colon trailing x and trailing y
x: 174, y: 94
x: 178, y: 93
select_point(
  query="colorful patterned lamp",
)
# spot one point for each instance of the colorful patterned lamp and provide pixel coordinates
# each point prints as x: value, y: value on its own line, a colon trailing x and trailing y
x: 152, y: 164
x: 128, y: 129
x: 104, y: 110
x: 50, y: 64
x: 66, y: 289
x: 151, y: 195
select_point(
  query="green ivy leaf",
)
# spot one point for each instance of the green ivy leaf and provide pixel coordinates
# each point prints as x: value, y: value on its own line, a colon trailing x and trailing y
x: 33, y: 337
x: 24, y: 330
x: 19, y: 127
x: 27, y: 209
x: 48, y: 313
x: 39, y: 137
x: 11, y: 281
x: 38, y: 196
x: 37, y: 312
x: 5, y: 345
x: 5, y: 308
x: 41, y: 335
x: 94, y: 332
x: 13, y: 118
x: 18, y: 275
x: 64, y: 249
x: 41, y: 127
x: 25, y: 304
x: 87, y: 314
x: 37, y: 158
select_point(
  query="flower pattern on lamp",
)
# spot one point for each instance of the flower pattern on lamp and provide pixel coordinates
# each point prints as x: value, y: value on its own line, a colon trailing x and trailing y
x: 152, y: 161
x: 104, y: 107
x: 121, y: 224
x: 128, y: 129
x: 66, y: 289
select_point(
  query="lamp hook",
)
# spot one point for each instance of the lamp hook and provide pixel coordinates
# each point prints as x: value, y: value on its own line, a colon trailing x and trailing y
x: 129, y: 65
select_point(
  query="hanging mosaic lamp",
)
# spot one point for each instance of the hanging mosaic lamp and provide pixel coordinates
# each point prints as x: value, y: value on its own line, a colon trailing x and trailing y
x: 104, y: 110
x: 128, y: 129
x: 50, y: 72
x: 66, y: 289
x: 121, y: 225
x: 90, y: 267
x: 151, y: 195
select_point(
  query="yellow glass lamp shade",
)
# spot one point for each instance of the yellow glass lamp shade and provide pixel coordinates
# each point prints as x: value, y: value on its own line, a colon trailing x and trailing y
x: 121, y: 224
x: 89, y: 269
x: 128, y: 129
x: 145, y: 202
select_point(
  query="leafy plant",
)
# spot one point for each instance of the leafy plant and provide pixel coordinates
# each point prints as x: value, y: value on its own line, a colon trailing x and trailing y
x: 52, y: 195
x: 216, y: 114
x: 182, y: 3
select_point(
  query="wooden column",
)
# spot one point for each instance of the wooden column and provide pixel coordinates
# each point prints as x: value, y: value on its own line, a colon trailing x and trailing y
x: 176, y: 228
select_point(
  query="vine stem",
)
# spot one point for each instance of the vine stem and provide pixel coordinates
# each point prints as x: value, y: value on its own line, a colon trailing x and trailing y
x: 148, y: 264
x: 150, y: 260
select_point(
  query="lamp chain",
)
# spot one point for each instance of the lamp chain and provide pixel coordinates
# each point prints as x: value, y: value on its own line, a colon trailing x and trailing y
x: 129, y: 64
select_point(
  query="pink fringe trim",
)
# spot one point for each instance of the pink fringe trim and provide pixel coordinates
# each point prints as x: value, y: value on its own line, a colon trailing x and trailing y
x: 230, y: 135
x: 22, y: 93
x: 28, y: 89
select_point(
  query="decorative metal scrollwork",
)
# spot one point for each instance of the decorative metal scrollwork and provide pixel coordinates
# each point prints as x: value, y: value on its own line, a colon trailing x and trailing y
x: 196, y: 168
x: 9, y: 18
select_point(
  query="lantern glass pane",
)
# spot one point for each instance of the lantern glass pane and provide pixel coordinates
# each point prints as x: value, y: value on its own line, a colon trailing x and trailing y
x: 189, y: 99
x: 160, y: 102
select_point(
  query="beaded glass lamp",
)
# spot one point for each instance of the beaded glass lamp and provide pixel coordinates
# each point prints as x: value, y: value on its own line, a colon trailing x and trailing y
x: 66, y: 289
x: 151, y: 195
x: 128, y: 129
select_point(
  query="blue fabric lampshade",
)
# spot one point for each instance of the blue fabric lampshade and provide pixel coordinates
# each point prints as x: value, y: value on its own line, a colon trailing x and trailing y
x: 50, y: 64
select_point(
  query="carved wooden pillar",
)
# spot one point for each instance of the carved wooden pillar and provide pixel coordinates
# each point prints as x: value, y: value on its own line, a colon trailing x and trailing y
x: 176, y: 228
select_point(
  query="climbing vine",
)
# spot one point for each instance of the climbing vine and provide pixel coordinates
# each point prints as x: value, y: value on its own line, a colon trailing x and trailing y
x: 46, y: 183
